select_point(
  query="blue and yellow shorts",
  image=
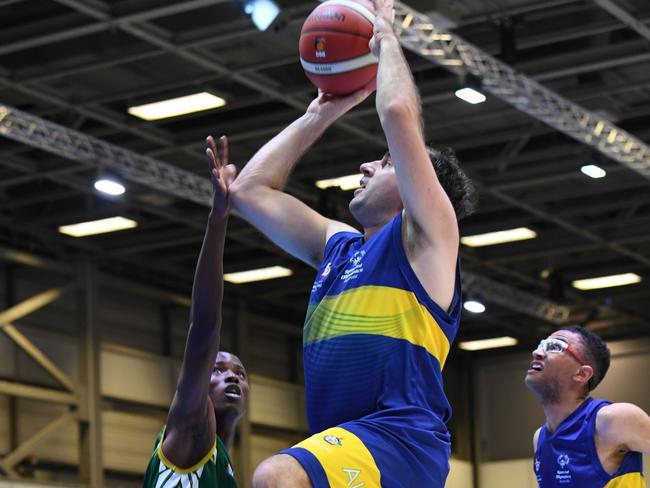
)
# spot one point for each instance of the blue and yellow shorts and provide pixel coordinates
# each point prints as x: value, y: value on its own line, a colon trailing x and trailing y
x: 362, y: 455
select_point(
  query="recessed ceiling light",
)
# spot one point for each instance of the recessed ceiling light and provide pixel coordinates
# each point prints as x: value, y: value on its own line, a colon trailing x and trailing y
x: 498, y: 237
x: 488, y: 343
x: 110, y: 187
x: 257, y: 274
x: 94, y: 227
x: 593, y: 171
x: 349, y: 182
x: 470, y: 95
x: 262, y: 12
x: 474, y: 306
x: 177, y: 106
x: 606, y: 281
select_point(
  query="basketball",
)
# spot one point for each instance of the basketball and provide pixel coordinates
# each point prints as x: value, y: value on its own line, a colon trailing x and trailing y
x: 334, y: 46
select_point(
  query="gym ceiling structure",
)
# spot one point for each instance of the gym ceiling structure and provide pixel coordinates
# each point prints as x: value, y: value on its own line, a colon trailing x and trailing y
x: 567, y: 84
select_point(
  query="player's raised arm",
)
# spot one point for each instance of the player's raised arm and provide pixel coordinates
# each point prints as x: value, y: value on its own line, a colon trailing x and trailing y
x: 258, y: 195
x: 191, y: 423
x: 399, y: 110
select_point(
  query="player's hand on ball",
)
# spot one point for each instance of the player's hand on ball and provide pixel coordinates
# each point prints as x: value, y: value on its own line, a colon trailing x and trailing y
x: 331, y: 107
x: 222, y: 174
x: 384, y: 19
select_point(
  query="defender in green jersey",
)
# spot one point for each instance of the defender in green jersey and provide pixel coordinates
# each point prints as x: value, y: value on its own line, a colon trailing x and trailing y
x: 212, y: 390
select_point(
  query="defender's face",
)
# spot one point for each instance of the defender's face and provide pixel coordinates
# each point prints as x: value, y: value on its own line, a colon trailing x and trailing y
x: 229, y: 383
x: 378, y: 191
x: 551, y: 366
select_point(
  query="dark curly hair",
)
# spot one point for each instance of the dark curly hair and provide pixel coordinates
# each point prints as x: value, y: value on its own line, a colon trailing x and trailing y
x: 595, y: 351
x: 459, y: 188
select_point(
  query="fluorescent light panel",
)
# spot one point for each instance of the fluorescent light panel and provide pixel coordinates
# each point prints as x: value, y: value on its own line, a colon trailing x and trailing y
x: 593, y: 171
x: 607, y: 281
x: 349, y: 182
x: 498, y: 237
x: 258, y: 274
x: 94, y: 227
x: 488, y: 343
x: 470, y: 95
x: 177, y: 106
x: 109, y: 187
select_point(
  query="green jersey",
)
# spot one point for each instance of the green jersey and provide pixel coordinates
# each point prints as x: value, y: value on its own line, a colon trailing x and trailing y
x: 213, y: 471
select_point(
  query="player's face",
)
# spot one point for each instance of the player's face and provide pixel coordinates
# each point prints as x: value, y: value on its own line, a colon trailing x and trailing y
x: 555, y: 361
x: 378, y: 193
x: 229, y: 383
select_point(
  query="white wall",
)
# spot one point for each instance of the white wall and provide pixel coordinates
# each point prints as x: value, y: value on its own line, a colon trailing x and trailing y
x: 460, y: 474
x: 137, y: 376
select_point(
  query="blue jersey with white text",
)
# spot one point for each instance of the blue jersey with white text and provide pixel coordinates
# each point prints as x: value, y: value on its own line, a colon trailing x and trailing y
x: 374, y: 341
x: 568, y: 457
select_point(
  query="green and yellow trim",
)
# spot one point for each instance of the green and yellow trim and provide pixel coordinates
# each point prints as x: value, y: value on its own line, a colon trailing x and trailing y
x: 176, y: 469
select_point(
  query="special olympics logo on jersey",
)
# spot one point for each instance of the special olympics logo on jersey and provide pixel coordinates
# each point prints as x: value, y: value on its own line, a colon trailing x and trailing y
x: 537, y: 464
x: 563, y: 460
x: 357, y: 257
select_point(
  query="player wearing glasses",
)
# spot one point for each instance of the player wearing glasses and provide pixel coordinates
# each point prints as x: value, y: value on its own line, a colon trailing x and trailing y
x: 586, y: 442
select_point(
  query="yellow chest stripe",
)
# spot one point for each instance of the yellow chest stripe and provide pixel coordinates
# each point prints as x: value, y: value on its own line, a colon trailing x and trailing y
x: 378, y: 310
x: 629, y: 480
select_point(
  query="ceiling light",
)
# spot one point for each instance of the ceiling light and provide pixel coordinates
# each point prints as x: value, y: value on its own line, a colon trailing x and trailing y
x: 593, y: 171
x: 349, y: 182
x: 257, y: 274
x: 262, y: 12
x: 108, y: 186
x: 606, y: 281
x: 498, y: 237
x: 177, y: 106
x: 470, y: 89
x: 94, y: 227
x: 470, y: 95
x: 474, y: 306
x: 488, y: 343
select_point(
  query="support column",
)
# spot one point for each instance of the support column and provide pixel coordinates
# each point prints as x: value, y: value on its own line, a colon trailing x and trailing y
x: 10, y: 301
x: 243, y: 460
x: 90, y: 421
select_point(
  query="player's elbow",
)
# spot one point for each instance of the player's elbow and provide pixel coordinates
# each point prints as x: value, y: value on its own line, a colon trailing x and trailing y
x: 242, y: 194
x: 399, y: 111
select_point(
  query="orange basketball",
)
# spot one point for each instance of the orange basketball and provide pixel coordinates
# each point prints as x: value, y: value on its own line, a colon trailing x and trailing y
x: 334, y: 46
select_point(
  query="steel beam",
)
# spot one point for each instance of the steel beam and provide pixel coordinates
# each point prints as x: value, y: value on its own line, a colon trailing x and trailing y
x: 418, y: 33
x: 37, y: 393
x: 37, y: 355
x: 12, y: 458
x: 514, y: 299
x: 624, y: 16
x: 32, y: 304
x: 24, y: 308
x: 45, y: 135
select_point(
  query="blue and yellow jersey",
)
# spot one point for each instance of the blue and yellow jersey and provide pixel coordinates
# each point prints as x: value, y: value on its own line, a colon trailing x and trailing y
x: 568, y: 456
x: 374, y: 347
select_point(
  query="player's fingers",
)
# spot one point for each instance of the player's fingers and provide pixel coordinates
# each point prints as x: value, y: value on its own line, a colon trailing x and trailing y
x: 224, y: 150
x: 212, y: 163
